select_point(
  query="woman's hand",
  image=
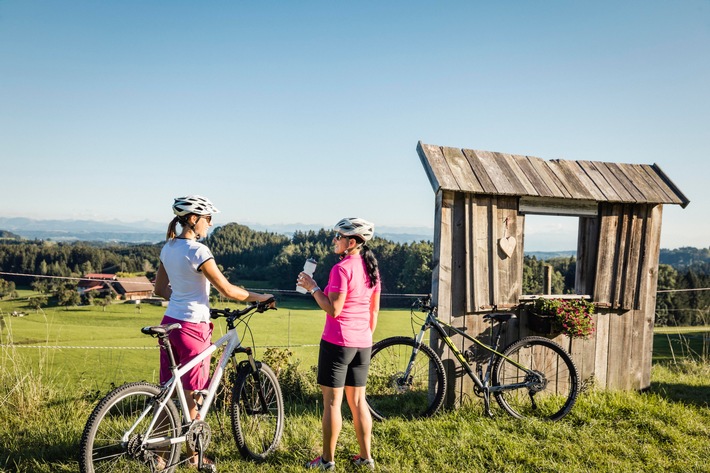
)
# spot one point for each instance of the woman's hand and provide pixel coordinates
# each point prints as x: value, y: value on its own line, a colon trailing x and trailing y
x: 305, y: 281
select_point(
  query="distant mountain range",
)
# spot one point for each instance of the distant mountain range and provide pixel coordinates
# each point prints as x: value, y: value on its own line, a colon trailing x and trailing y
x: 152, y: 232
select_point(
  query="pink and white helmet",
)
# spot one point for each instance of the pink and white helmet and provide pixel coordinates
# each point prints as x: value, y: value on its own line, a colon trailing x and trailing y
x: 193, y: 204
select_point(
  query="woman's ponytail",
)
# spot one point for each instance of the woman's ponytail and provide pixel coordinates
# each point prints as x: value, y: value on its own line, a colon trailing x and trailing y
x: 373, y: 273
x: 172, y: 229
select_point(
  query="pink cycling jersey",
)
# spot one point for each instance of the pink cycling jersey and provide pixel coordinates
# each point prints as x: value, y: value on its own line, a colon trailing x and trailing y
x: 352, y: 327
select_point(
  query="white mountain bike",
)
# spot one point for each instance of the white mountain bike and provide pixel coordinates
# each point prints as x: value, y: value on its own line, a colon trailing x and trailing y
x: 138, y: 428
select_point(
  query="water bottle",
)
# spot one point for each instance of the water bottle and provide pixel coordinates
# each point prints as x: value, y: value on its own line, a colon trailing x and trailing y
x: 309, y: 268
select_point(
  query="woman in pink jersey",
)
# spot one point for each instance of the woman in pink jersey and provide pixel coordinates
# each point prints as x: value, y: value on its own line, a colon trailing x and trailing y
x: 187, y: 268
x: 351, y: 301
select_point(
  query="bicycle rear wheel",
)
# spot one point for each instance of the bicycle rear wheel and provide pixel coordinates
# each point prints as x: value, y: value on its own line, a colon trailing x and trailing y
x: 106, y: 445
x: 549, y: 392
x: 392, y: 394
x: 257, y: 412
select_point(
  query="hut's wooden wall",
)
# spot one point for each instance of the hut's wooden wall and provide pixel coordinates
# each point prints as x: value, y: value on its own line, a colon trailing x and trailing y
x: 617, y: 265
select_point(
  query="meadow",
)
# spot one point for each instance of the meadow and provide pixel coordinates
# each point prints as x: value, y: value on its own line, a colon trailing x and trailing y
x: 50, y: 381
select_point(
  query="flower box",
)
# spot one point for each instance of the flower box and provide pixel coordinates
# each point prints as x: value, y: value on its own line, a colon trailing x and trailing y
x: 542, y: 323
x: 573, y: 317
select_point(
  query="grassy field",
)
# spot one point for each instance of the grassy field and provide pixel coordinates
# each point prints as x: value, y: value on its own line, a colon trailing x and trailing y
x: 48, y: 388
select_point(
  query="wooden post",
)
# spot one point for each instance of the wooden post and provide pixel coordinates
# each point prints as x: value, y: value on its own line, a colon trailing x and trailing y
x: 547, y: 280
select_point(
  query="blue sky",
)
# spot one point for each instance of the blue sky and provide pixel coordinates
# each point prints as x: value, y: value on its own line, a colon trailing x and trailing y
x: 305, y: 112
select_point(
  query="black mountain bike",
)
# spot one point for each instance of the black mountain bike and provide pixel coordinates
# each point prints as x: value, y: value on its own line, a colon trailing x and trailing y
x: 532, y: 377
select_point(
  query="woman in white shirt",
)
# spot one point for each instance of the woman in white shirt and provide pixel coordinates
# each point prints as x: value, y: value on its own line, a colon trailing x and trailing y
x: 187, y: 268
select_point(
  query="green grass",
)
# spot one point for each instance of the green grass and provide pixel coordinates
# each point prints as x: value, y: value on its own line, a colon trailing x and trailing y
x: 46, y: 394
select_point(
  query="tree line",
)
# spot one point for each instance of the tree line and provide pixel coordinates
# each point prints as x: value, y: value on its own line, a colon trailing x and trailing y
x: 264, y: 259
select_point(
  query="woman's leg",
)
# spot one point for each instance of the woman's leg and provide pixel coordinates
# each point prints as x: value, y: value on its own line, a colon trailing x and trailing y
x: 362, y: 420
x: 332, y: 420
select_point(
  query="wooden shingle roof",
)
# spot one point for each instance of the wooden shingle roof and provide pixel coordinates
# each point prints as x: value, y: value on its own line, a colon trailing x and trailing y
x: 487, y: 172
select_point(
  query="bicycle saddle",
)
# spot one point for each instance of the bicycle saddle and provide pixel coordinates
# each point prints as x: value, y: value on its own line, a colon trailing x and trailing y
x: 500, y: 316
x: 160, y: 329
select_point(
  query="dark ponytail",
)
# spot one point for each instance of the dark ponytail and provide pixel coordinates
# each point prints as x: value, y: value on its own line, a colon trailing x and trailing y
x: 371, y: 267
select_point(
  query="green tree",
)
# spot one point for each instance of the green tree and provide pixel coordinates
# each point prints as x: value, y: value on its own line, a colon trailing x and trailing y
x: 7, y: 289
x: 37, y: 302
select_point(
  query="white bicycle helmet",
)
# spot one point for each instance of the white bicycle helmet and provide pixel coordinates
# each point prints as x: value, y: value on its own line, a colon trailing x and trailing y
x: 354, y: 226
x: 193, y: 204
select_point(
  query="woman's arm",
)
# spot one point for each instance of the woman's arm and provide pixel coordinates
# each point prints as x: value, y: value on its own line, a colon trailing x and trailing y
x: 374, y: 310
x: 162, y: 284
x: 332, y: 304
x: 216, y: 278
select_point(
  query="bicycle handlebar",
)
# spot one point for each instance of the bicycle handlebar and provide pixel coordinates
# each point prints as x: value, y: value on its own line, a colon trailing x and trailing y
x: 258, y: 306
x: 423, y: 304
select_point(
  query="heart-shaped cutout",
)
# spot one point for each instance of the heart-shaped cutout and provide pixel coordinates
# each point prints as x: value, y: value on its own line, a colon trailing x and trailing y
x: 507, y: 245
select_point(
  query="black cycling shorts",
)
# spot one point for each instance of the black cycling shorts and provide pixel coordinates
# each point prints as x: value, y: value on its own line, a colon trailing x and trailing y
x: 342, y: 366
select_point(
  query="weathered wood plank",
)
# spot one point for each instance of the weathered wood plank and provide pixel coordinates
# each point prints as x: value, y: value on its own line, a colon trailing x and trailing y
x: 624, y: 195
x: 570, y: 180
x: 601, y: 351
x: 461, y: 170
x: 560, y: 180
x: 557, y: 206
x: 625, y: 182
x: 648, y: 287
x: 619, y: 261
x: 600, y: 181
x: 619, y: 351
x: 535, y: 179
x: 470, y: 242
x: 636, y: 217
x: 587, y: 248
x: 659, y: 184
x: 436, y: 168
x: 543, y: 171
x: 648, y: 189
x: 606, y: 264
x: 479, y: 169
x: 589, y: 186
x: 500, y: 180
x: 508, y: 168
x: 510, y: 268
x: 458, y: 287
x: 482, y: 235
x: 522, y: 169
x: 679, y: 197
x: 441, y: 273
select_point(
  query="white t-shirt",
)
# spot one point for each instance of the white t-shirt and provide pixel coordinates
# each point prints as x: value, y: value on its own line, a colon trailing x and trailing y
x: 182, y: 260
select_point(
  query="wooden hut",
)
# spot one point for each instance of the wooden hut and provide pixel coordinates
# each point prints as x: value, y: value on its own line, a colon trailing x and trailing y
x: 482, y: 199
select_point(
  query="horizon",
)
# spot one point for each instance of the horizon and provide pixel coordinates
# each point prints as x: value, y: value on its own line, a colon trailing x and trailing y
x: 311, y: 112
x: 405, y: 234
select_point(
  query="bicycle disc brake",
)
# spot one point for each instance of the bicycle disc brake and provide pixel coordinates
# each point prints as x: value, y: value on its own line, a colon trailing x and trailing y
x: 400, y: 383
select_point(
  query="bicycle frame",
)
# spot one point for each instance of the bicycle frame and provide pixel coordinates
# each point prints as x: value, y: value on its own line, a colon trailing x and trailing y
x: 233, y: 345
x: 432, y: 321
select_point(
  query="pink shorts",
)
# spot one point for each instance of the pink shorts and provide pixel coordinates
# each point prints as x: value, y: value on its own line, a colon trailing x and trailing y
x: 188, y: 342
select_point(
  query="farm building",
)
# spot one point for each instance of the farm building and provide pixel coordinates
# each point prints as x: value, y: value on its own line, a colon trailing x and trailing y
x: 126, y: 288
x: 135, y: 288
x: 482, y: 199
x: 100, y: 283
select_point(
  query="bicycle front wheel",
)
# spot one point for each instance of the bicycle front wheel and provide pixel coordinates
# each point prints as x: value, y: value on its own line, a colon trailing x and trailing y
x: 257, y: 412
x: 549, y: 388
x: 115, y: 436
x: 399, y: 382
